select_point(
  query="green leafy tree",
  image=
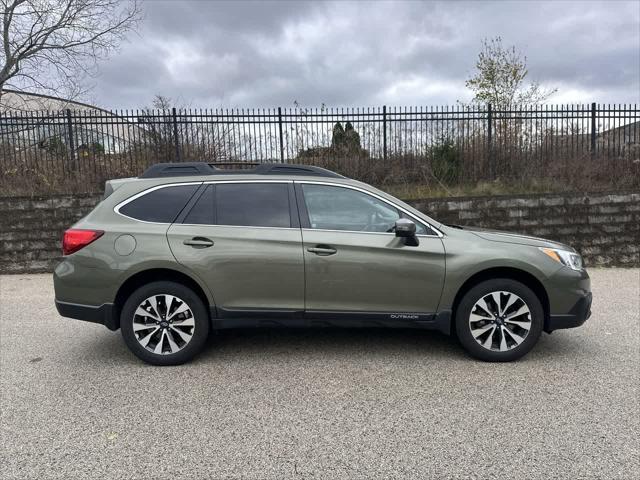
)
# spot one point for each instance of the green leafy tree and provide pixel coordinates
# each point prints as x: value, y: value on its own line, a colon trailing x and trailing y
x: 337, y: 136
x: 345, y: 143
x: 351, y: 138
x: 500, y: 78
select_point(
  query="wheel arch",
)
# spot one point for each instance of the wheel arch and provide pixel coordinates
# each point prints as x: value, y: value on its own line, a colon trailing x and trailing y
x: 516, y: 274
x: 143, y: 277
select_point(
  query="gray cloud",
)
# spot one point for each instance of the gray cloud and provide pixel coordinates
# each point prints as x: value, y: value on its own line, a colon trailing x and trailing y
x: 261, y: 54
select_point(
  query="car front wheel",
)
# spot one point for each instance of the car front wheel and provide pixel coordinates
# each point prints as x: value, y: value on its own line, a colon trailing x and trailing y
x: 499, y: 320
x: 164, y: 323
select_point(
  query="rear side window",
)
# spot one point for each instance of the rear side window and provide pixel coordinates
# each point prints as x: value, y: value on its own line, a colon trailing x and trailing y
x: 253, y: 204
x: 162, y: 205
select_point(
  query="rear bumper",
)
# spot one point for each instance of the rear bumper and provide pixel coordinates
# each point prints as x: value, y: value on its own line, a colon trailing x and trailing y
x: 578, y: 314
x: 103, y: 314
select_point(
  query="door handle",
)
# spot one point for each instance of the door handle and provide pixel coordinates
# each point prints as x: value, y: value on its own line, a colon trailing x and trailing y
x: 322, y: 250
x: 199, y: 242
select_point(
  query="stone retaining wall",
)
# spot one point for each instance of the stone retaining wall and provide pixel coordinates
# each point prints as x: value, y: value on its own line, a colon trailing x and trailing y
x: 604, y: 227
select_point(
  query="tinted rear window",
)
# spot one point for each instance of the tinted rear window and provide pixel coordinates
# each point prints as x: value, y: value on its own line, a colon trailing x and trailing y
x: 162, y: 205
x: 253, y: 204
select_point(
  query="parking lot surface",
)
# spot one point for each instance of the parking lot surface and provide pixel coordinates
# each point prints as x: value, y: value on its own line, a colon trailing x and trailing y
x: 318, y: 403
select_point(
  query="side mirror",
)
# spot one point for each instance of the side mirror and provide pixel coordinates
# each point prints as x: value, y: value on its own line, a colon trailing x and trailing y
x: 405, y: 228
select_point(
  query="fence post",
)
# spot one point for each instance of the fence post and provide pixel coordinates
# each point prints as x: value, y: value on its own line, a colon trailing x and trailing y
x: 72, y: 148
x: 593, y: 128
x: 175, y: 133
x: 490, y: 140
x: 280, y: 134
x: 384, y: 132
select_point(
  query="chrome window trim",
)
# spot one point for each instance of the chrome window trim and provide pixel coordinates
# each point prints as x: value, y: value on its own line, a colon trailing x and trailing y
x: 232, y: 226
x: 420, y: 235
x: 438, y: 233
x: 117, y: 208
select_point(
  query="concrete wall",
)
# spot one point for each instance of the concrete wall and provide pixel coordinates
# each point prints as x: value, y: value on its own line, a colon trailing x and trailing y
x: 604, y: 227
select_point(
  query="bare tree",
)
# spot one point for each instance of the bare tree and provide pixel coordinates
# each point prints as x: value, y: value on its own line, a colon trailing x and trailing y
x: 195, y: 136
x: 500, y: 78
x: 158, y: 125
x: 51, y: 46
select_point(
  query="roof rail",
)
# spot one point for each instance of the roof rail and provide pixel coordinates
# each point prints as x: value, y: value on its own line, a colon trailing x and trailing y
x: 186, y: 169
x: 177, y: 170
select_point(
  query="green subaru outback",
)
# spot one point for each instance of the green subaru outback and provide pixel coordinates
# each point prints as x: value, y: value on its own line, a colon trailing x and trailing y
x: 186, y: 248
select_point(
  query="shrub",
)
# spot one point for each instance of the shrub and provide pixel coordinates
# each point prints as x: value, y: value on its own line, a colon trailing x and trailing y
x: 54, y: 146
x: 93, y: 148
x: 446, y: 161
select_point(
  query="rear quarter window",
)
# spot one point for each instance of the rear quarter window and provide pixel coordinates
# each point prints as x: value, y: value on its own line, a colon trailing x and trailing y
x: 162, y: 205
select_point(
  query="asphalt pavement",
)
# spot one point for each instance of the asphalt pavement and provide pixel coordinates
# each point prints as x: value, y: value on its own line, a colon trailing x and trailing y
x: 262, y: 404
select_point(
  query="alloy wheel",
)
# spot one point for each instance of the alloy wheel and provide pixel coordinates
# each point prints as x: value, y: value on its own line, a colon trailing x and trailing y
x: 163, y: 324
x: 500, y: 321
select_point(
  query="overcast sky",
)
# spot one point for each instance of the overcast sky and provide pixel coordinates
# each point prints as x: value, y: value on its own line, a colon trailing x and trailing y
x: 262, y: 54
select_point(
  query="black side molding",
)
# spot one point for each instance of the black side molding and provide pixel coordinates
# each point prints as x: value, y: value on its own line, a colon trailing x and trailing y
x: 254, y: 318
x: 103, y: 314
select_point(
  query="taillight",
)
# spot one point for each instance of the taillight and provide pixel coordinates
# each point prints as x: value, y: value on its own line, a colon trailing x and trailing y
x: 75, y: 239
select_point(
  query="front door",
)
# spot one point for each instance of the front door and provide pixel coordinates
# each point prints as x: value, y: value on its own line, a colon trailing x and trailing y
x: 244, y: 241
x: 355, y: 263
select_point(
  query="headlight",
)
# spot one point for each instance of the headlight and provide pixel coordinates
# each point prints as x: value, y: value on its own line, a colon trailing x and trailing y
x: 569, y: 259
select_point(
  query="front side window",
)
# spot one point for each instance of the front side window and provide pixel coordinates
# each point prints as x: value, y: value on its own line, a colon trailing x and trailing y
x: 339, y: 208
x: 162, y: 205
x: 253, y: 204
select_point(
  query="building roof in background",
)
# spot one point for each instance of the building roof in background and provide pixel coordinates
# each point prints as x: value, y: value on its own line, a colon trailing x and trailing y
x: 13, y: 100
x: 32, y: 120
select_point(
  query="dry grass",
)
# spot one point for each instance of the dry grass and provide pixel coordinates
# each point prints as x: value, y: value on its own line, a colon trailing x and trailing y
x: 480, y: 189
x: 406, y: 176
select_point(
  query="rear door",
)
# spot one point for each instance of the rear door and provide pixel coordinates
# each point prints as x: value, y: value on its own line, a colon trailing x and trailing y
x: 243, y: 239
x: 355, y: 263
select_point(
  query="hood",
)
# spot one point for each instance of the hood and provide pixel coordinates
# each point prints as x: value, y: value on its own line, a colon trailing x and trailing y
x: 508, y: 237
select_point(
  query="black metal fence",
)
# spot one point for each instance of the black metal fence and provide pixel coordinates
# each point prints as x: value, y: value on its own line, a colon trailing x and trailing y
x: 584, y: 146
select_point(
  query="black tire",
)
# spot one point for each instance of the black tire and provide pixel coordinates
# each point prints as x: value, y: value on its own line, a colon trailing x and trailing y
x: 479, y: 291
x: 199, y: 333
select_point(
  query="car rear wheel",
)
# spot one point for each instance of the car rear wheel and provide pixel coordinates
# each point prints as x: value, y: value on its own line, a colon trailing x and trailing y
x: 164, y: 323
x: 499, y: 320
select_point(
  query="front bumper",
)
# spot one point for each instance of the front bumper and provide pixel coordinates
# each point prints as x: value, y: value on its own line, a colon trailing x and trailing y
x: 578, y: 314
x: 103, y: 314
